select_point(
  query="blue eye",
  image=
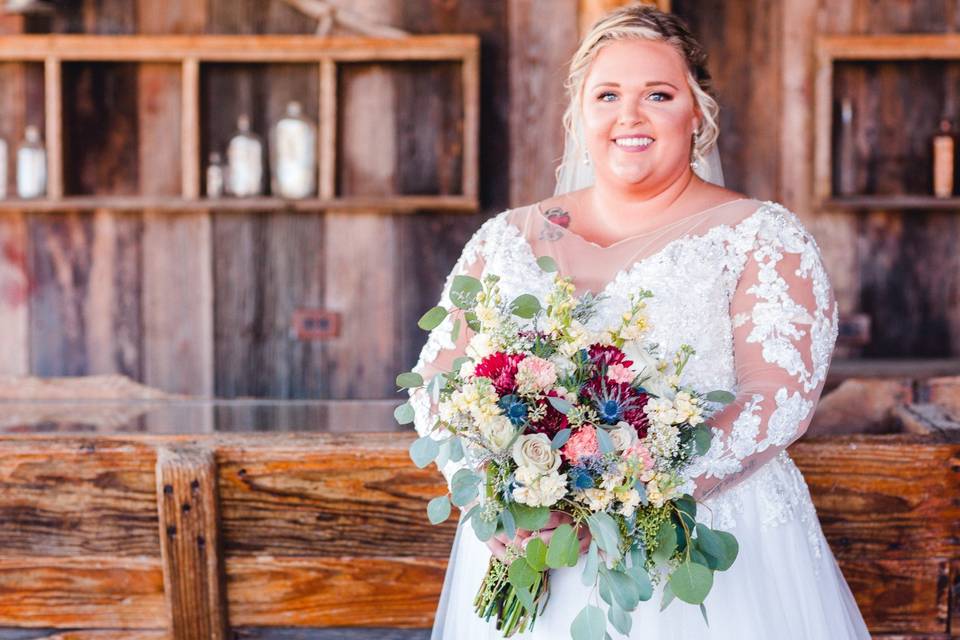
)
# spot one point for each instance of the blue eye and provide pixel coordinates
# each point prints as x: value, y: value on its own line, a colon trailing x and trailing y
x: 666, y: 96
x: 602, y: 96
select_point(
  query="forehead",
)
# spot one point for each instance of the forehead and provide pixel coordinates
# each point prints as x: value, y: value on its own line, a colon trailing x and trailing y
x: 635, y: 60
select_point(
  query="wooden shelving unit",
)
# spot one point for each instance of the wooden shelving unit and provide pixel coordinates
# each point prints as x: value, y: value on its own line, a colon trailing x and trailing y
x: 192, y: 52
x: 873, y: 48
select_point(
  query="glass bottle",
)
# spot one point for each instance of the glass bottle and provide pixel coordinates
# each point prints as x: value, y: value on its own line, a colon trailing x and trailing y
x: 294, y: 154
x: 3, y: 169
x: 943, y: 160
x: 245, y: 161
x: 215, y: 176
x: 31, y: 165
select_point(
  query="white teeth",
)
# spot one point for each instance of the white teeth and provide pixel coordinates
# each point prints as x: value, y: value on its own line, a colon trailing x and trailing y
x: 634, y: 142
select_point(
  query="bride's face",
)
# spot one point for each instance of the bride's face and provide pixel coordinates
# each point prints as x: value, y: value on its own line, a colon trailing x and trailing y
x: 638, y: 89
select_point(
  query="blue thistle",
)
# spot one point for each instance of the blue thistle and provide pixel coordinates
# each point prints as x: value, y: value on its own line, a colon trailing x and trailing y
x: 611, y: 401
x: 514, y: 409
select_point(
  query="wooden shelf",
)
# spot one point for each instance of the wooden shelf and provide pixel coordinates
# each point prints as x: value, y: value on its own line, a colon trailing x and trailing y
x: 191, y: 52
x: 868, y: 48
x: 891, y: 202
x: 392, y: 204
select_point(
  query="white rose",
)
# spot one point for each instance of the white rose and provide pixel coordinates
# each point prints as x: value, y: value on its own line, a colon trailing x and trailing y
x: 467, y: 370
x: 498, y: 431
x: 624, y: 436
x: 533, y: 451
x: 544, y: 491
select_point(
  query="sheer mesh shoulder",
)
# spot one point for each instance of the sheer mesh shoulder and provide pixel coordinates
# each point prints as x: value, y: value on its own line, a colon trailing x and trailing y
x: 440, y: 350
x: 784, y: 319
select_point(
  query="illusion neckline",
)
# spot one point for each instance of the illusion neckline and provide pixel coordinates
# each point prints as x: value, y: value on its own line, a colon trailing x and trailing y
x: 537, y: 210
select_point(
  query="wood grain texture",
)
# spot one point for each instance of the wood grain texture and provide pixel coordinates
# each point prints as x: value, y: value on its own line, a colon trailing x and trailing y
x: 538, y: 61
x: 83, y: 634
x: 190, y: 543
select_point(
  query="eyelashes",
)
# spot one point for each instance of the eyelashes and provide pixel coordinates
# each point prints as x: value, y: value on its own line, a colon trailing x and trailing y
x: 666, y: 96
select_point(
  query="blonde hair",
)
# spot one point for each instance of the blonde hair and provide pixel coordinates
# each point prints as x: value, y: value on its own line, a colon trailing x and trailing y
x: 645, y: 22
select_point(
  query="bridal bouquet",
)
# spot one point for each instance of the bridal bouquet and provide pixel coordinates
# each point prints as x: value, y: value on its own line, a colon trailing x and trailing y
x: 548, y: 415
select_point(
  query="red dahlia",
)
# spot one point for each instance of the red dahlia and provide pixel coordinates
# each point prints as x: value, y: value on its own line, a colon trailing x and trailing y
x: 601, y: 353
x: 553, y: 421
x: 502, y: 369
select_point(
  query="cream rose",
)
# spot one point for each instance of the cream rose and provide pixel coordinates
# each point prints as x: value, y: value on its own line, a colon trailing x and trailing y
x: 480, y: 346
x: 624, y: 436
x: 533, y: 451
x: 498, y: 431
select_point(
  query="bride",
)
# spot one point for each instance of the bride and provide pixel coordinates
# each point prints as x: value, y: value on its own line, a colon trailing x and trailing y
x: 640, y: 204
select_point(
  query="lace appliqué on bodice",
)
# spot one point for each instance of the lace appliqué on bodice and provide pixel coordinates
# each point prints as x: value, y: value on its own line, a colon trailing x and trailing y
x: 693, y: 279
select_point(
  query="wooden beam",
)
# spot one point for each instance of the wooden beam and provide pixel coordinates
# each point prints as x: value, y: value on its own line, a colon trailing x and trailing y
x: 190, y: 543
x: 327, y: 127
x: 190, y: 129
x: 53, y: 111
x: 236, y: 48
x: 471, y: 125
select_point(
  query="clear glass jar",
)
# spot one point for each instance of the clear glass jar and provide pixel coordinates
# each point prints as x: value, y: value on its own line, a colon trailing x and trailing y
x: 294, y: 155
x: 245, y: 161
x: 31, y: 165
x: 216, y: 176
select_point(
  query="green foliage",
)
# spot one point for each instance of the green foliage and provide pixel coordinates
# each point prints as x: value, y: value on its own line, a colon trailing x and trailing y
x: 564, y: 549
x: 482, y: 527
x: 537, y: 554
x: 590, y: 624
x: 560, y: 439
x: 604, y: 440
x: 691, y: 582
x: 463, y: 487
x: 423, y: 451
x: 409, y: 380
x: 438, y: 509
x: 464, y: 290
x: 530, y: 518
x: 404, y: 414
x: 432, y: 318
x: 723, y: 397
x: 560, y: 404
x: 547, y: 264
x: 525, y: 306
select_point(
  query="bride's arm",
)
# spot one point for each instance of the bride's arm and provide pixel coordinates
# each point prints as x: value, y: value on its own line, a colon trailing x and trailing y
x: 784, y: 329
x: 440, y: 350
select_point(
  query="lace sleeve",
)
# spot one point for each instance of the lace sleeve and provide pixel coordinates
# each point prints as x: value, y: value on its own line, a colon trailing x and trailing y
x: 440, y: 350
x: 784, y: 328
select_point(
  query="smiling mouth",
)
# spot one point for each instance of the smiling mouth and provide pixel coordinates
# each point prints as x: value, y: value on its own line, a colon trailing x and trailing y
x: 637, y: 143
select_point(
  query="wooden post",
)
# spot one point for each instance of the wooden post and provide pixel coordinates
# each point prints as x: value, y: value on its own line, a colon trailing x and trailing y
x: 54, y: 125
x: 471, y: 126
x: 190, y: 130
x: 193, y: 572
x: 327, y: 127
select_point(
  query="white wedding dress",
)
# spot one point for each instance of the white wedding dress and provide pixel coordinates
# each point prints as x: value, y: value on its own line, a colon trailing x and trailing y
x: 743, y: 283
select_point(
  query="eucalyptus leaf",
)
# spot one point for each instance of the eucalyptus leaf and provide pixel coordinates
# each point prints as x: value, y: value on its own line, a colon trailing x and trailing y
x: 456, y: 449
x: 624, y: 589
x: 691, y: 582
x: 723, y: 397
x: 537, y: 554
x: 525, y: 306
x: 464, y: 290
x: 423, y: 451
x: 463, y: 495
x: 547, y: 264
x: 642, y: 580
x: 666, y: 543
x: 404, y: 414
x: 432, y: 318
x: 472, y: 321
x: 438, y: 509
x: 455, y: 332
x: 459, y: 362
x: 604, y: 440
x: 604, y: 530
x: 703, y: 612
x: 642, y: 490
x: 668, y: 596
x: 444, y: 454
x: 560, y: 439
x: 732, y: 549
x: 482, y: 527
x: 590, y: 624
x: 564, y: 548
x: 520, y: 574
x: 530, y: 518
x: 509, y: 524
x: 409, y: 380
x: 620, y: 619
x: 560, y: 404
x: 702, y: 437
x: 592, y: 565
x: 710, y: 543
x: 526, y: 598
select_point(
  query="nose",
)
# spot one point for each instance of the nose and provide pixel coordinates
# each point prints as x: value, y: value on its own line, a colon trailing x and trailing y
x: 631, y: 113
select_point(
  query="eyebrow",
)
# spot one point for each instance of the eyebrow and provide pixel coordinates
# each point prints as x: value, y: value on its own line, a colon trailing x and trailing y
x: 648, y: 84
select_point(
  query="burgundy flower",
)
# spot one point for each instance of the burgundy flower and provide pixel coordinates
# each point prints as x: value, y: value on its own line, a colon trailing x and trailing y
x: 608, y: 354
x: 502, y: 369
x: 616, y: 401
x: 553, y: 421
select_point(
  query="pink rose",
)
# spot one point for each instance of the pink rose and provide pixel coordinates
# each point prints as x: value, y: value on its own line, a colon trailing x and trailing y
x: 620, y: 373
x: 582, y: 443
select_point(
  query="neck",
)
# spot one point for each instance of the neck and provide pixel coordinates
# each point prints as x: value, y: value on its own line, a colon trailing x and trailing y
x: 627, y: 209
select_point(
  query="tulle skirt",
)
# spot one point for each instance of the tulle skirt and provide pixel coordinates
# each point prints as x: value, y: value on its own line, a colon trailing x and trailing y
x: 785, y: 584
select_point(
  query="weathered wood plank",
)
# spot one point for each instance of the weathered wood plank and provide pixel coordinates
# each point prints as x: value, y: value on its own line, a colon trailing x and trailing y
x: 190, y: 543
x: 83, y: 634
x: 882, y: 497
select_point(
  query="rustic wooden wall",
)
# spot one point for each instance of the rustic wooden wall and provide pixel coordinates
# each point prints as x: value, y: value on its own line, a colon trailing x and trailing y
x: 200, y: 301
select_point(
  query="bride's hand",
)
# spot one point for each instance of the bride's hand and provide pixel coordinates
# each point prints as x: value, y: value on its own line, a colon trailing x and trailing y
x: 498, y: 543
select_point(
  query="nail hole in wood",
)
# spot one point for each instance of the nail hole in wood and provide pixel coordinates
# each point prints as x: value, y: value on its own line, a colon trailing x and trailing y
x: 201, y: 542
x: 171, y: 530
x: 185, y: 507
x: 195, y: 485
x: 167, y: 489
